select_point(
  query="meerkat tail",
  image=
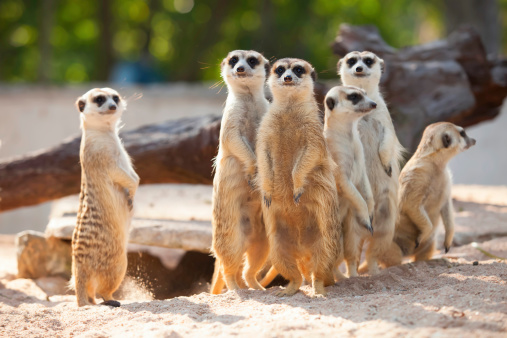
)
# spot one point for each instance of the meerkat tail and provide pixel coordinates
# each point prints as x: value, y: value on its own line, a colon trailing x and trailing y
x: 269, y: 277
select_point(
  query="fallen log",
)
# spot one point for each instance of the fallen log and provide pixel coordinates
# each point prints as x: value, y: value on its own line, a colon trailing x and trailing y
x: 179, y: 151
x: 446, y: 80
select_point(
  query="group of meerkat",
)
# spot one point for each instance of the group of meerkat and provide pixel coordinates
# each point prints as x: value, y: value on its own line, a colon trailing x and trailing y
x: 309, y: 196
x: 305, y: 195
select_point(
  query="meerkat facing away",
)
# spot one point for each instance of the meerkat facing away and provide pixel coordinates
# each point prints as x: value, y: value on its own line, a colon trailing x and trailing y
x: 108, y: 186
x: 344, y: 107
x: 238, y: 227
x: 382, y: 151
x: 295, y: 176
x: 425, y: 194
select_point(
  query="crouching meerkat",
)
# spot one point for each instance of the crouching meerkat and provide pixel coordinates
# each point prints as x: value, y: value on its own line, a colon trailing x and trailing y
x: 345, y: 106
x: 425, y: 194
x: 382, y: 150
x: 238, y: 227
x: 295, y: 176
x: 108, y: 186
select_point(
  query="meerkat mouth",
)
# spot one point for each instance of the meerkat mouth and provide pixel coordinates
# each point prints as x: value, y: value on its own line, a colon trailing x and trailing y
x: 360, y: 75
x: 289, y: 84
x: 109, y: 112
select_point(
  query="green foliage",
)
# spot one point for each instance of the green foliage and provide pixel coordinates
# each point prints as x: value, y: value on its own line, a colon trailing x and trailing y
x: 186, y: 39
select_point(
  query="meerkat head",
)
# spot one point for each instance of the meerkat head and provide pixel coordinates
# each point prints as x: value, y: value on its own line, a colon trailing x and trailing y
x: 445, y: 138
x: 360, y: 67
x: 100, y: 107
x: 295, y: 75
x: 244, y: 68
x: 348, y: 101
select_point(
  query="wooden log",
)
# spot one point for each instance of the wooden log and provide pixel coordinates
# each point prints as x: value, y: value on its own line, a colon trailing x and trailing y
x: 179, y: 151
x: 447, y: 80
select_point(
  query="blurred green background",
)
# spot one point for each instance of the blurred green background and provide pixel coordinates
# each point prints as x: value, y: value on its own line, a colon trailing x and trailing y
x: 73, y: 41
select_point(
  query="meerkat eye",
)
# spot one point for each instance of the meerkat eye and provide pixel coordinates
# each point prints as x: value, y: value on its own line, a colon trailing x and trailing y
x: 116, y: 99
x: 252, y: 61
x: 463, y: 134
x: 99, y: 99
x: 280, y: 70
x: 299, y: 70
x: 233, y: 60
x: 351, y: 61
x: 368, y: 62
x: 354, y: 98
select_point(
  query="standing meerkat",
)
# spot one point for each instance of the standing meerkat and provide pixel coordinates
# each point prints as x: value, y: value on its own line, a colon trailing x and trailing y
x: 345, y: 106
x: 382, y: 151
x: 238, y: 227
x: 108, y: 186
x: 425, y: 194
x: 295, y: 176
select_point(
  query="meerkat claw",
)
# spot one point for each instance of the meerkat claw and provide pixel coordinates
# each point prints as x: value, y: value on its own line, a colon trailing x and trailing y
x: 389, y: 171
x: 446, y: 249
x: 416, y: 244
x: 297, y: 197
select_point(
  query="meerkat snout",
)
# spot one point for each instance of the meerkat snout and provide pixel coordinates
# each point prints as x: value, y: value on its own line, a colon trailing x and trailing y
x: 288, y: 78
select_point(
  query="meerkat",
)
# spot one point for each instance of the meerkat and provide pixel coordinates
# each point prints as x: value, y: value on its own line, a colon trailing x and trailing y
x: 295, y: 176
x: 425, y: 194
x: 382, y: 151
x: 238, y: 226
x: 108, y: 186
x: 344, y: 108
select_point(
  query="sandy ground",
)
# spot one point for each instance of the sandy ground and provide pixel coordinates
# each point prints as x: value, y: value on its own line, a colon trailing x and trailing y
x: 448, y: 296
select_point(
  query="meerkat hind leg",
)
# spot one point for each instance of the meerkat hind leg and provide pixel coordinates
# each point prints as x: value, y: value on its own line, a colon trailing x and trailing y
x: 426, y: 251
x: 256, y: 256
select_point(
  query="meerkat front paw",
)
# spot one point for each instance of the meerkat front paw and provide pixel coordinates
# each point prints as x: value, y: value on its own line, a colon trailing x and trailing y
x: 266, y: 198
x: 389, y: 170
x: 298, y: 192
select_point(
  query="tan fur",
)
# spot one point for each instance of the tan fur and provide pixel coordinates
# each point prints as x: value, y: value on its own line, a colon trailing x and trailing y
x: 382, y: 152
x: 238, y: 227
x: 108, y: 186
x: 345, y: 106
x: 425, y: 194
x: 295, y: 175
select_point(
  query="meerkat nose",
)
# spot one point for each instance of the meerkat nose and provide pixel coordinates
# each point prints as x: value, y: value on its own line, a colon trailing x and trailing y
x: 359, y: 69
x: 240, y: 69
x: 112, y: 107
x: 373, y: 105
x: 288, y: 78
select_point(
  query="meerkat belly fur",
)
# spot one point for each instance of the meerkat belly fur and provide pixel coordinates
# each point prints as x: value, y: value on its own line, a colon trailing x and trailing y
x: 345, y: 106
x: 108, y: 186
x: 382, y: 151
x: 295, y: 175
x: 425, y: 194
x: 238, y: 227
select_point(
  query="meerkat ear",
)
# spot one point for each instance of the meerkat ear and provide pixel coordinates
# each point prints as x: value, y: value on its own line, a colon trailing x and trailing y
x: 381, y: 62
x: 80, y: 104
x: 446, y: 140
x: 313, y: 75
x: 267, y: 67
x: 339, y: 66
x: 330, y: 103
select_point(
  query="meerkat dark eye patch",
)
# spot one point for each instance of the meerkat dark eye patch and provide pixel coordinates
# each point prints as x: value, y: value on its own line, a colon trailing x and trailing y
x: 299, y: 71
x: 446, y: 140
x: 252, y: 62
x: 99, y: 100
x: 233, y: 60
x: 280, y: 70
x: 81, y: 105
x: 369, y: 62
x: 330, y: 103
x: 116, y: 99
x: 351, y: 62
x: 463, y: 134
x: 354, y: 98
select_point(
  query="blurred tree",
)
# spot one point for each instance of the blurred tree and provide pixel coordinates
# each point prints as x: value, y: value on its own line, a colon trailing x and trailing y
x: 185, y: 40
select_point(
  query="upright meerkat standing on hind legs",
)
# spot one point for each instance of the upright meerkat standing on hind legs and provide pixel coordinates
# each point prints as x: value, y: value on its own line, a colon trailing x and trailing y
x: 238, y: 227
x: 382, y: 151
x: 295, y: 176
x: 108, y: 186
x: 345, y: 106
x: 425, y: 194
